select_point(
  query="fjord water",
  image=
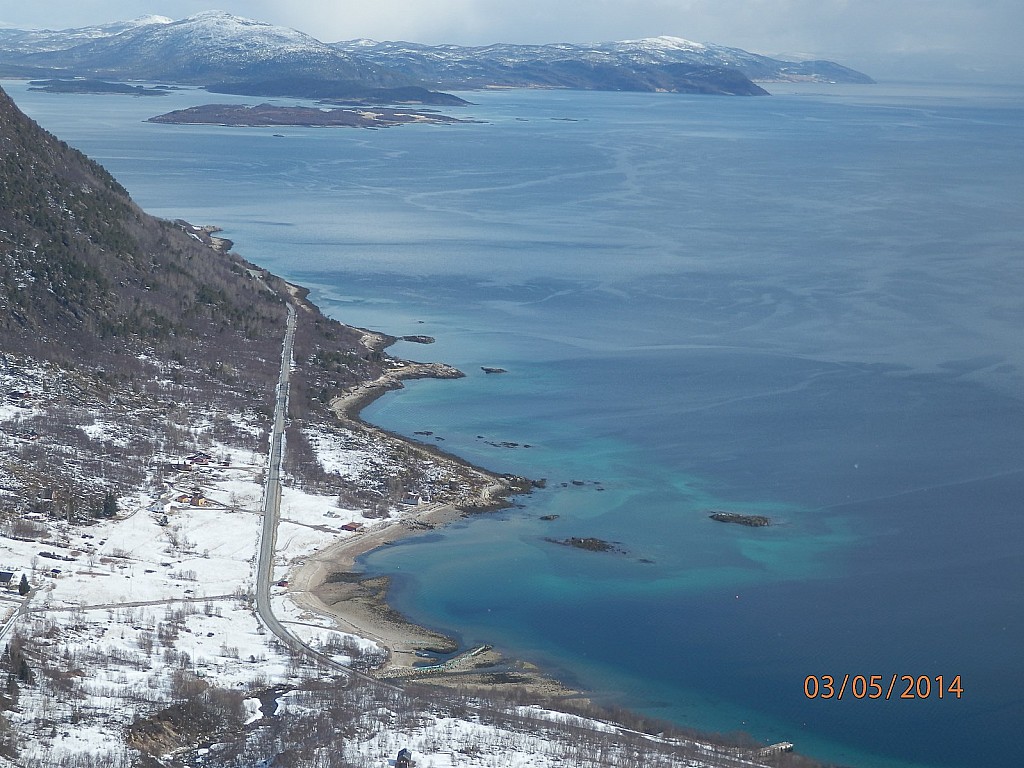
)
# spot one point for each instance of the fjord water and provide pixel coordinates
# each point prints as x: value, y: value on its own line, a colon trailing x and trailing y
x: 807, y: 306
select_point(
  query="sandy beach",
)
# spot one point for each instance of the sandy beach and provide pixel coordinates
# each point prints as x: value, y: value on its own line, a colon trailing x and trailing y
x: 329, y: 583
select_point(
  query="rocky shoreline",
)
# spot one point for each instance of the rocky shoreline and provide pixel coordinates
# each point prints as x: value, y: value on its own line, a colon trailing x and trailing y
x: 590, y: 544
x: 329, y: 581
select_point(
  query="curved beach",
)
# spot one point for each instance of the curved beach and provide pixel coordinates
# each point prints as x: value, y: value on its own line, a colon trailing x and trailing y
x: 329, y: 583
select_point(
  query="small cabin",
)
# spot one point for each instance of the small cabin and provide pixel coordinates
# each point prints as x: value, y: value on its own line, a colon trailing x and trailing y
x: 404, y: 759
x: 352, y: 527
x: 6, y: 577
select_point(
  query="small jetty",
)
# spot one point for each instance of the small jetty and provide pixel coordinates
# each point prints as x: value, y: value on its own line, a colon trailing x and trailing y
x: 431, y: 669
x: 774, y: 749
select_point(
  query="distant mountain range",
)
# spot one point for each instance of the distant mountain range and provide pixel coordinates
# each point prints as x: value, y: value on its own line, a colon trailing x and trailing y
x: 233, y: 54
x: 650, y: 64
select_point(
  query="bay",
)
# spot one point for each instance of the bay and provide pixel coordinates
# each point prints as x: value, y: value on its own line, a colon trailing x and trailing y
x: 806, y: 306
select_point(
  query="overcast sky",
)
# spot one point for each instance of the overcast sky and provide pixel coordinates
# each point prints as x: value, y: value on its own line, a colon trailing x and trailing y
x: 894, y: 36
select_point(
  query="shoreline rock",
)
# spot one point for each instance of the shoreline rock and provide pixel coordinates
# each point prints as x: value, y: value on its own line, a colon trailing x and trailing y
x: 590, y: 544
x: 751, y: 521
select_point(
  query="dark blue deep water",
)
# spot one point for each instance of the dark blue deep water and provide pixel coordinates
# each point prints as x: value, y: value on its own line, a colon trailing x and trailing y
x: 808, y: 306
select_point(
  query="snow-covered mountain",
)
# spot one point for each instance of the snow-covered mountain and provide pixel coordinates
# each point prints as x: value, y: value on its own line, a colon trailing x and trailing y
x: 502, y: 64
x: 36, y: 40
x: 754, y: 66
x: 217, y: 47
x: 198, y: 49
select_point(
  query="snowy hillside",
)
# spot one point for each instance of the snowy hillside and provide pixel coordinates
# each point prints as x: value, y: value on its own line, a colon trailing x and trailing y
x: 214, y: 46
x: 448, y: 64
x: 201, y: 48
x: 28, y: 41
x: 138, y: 634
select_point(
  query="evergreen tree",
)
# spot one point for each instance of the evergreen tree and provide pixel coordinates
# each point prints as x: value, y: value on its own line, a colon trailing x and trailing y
x: 110, y: 505
x: 23, y: 587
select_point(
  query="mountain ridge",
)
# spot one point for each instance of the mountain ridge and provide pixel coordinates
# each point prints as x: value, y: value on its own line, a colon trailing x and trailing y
x: 217, y: 47
x: 502, y: 64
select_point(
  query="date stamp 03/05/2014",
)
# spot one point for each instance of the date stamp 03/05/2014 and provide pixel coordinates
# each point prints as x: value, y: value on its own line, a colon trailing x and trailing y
x: 874, y: 687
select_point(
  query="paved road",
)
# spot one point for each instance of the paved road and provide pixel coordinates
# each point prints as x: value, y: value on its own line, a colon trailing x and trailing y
x: 272, y: 502
x: 271, y: 515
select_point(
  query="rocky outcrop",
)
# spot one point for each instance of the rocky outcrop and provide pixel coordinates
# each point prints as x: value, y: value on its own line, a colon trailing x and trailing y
x: 590, y: 544
x: 753, y: 521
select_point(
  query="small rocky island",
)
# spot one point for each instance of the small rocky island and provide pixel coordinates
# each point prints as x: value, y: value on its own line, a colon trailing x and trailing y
x: 753, y: 521
x: 590, y: 544
x: 264, y: 115
x: 86, y: 85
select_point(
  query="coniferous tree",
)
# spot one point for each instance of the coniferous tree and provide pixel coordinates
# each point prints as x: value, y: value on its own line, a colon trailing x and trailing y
x: 23, y: 587
x: 110, y: 505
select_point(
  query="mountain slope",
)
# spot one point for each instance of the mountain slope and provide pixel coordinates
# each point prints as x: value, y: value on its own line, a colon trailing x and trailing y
x: 647, y: 64
x: 111, y: 316
x: 235, y: 54
x: 87, y: 279
x: 204, y: 47
x: 668, y: 49
x: 32, y: 41
x: 83, y: 271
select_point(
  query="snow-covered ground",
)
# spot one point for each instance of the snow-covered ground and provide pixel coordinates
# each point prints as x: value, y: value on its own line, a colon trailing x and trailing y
x: 128, y: 616
x: 164, y: 587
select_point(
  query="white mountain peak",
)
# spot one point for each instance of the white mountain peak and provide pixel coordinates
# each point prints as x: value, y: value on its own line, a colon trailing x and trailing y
x: 143, y: 21
x: 666, y: 42
x: 221, y: 17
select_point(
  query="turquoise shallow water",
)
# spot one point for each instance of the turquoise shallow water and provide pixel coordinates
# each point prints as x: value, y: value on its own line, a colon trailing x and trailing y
x: 807, y: 306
